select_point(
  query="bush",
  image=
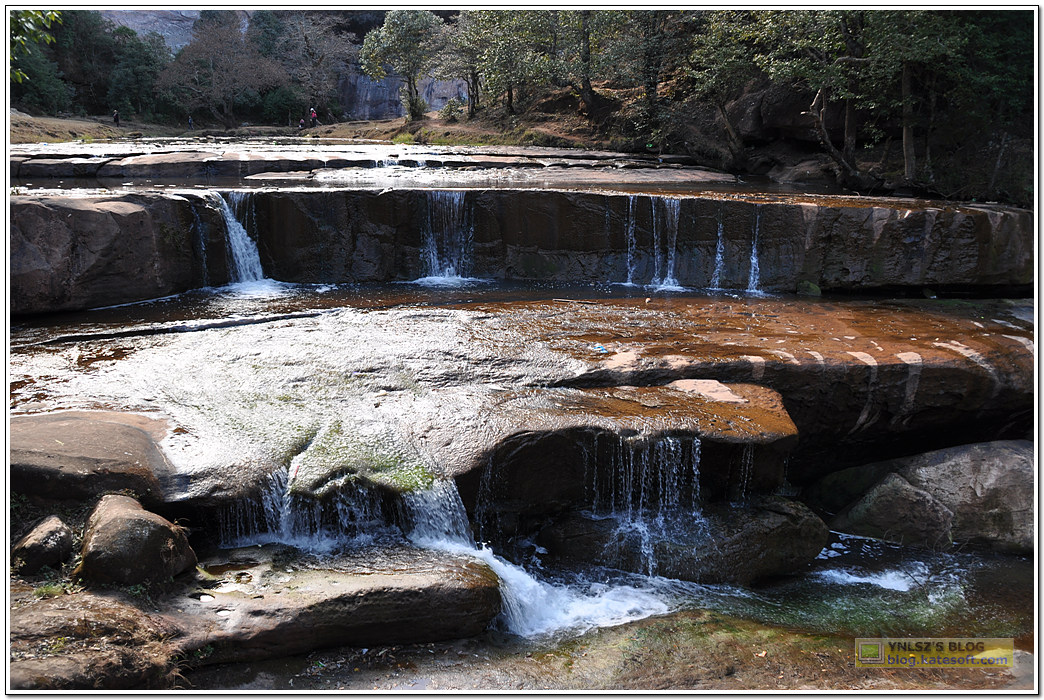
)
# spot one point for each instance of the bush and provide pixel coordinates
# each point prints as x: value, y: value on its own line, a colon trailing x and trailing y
x: 415, y: 107
x: 452, y: 111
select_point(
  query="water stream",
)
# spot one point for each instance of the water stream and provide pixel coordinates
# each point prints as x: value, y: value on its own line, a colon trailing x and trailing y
x: 246, y: 262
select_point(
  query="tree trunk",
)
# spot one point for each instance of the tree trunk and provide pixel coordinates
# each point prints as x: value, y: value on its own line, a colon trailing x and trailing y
x: 909, y: 156
x: 735, y: 141
x: 587, y: 96
x: 850, y: 132
x: 473, y: 93
x: 510, y: 100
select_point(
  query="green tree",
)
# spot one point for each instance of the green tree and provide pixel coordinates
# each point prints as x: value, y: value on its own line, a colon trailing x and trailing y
x: 30, y: 28
x: 132, y: 85
x: 41, y: 86
x: 408, y: 41
x: 85, y: 51
x: 721, y: 64
x: 463, y: 54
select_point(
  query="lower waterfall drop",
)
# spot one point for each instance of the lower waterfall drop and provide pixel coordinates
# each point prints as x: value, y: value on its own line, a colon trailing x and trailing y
x: 719, y: 255
x: 754, y: 281
x: 448, y: 239
x: 245, y: 261
x: 665, y: 228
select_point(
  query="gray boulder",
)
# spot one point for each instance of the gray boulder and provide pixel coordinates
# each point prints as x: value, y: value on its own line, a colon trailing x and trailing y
x: 126, y: 544
x: 49, y: 543
x: 732, y: 543
x: 980, y: 493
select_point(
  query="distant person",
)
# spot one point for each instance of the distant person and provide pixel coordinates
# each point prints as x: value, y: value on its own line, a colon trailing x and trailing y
x: 301, y: 124
x: 314, y: 117
x: 116, y: 117
x: 191, y: 123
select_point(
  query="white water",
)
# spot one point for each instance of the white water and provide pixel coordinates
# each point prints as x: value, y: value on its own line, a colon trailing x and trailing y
x: 631, y: 244
x: 665, y: 225
x: 529, y: 607
x: 754, y: 281
x: 719, y: 257
x: 246, y: 262
x: 448, y: 240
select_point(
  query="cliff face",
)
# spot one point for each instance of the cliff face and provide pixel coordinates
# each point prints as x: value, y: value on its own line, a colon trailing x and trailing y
x: 175, y: 26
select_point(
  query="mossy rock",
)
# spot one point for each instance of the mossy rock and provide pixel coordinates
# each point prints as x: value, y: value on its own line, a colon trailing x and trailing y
x: 337, y: 458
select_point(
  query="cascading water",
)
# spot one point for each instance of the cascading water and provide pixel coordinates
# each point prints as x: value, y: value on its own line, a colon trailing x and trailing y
x: 719, y: 256
x: 631, y: 243
x: 448, y: 238
x: 652, y: 490
x: 665, y: 229
x: 246, y: 262
x: 754, y: 281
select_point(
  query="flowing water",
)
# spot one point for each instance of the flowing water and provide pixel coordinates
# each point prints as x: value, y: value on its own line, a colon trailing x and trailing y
x: 273, y: 383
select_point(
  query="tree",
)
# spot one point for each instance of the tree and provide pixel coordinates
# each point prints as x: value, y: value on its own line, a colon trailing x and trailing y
x: 41, y: 86
x: 314, y: 53
x: 132, y: 85
x: 220, y: 71
x: 30, y: 28
x: 463, y: 54
x: 721, y: 63
x: 408, y: 42
x: 85, y: 51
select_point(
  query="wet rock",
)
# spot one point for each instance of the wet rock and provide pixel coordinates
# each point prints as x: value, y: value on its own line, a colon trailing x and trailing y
x: 263, y: 609
x: 126, y: 544
x: 80, y: 455
x: 71, y: 253
x: 724, y: 543
x: 897, y: 511
x: 90, y: 641
x: 986, y: 489
x: 540, y: 452
x: 49, y: 543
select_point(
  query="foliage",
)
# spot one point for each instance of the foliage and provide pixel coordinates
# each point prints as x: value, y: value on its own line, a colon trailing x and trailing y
x: 30, y: 28
x: 451, y: 112
x: 41, y: 86
x: 220, y: 71
x: 408, y: 41
x: 313, y: 53
x: 138, y: 63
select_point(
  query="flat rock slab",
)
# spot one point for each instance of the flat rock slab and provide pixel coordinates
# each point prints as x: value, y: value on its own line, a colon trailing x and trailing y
x: 78, y: 455
x: 191, y: 159
x: 258, y: 608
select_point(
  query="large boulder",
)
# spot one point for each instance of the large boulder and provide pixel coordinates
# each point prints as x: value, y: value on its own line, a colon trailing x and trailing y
x: 897, y: 511
x: 49, y: 543
x: 263, y: 609
x: 724, y: 543
x: 126, y: 544
x: 81, y: 455
x: 70, y: 253
x: 980, y: 493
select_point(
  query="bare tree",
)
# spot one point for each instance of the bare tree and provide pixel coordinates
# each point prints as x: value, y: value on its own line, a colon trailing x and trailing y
x: 315, y: 53
x: 220, y: 70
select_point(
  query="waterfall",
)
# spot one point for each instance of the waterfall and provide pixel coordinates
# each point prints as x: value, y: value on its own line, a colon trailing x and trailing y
x: 719, y: 255
x: 449, y: 238
x: 246, y: 263
x: 665, y: 226
x: 631, y: 244
x: 530, y: 607
x: 755, y: 274
x: 201, y: 240
x: 651, y: 489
